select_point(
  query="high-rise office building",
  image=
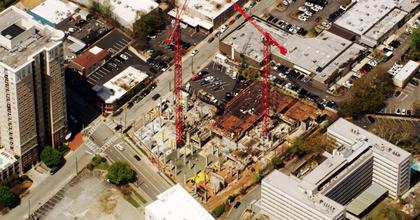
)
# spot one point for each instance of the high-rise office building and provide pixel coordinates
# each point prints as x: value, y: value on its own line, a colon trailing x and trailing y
x: 33, y: 110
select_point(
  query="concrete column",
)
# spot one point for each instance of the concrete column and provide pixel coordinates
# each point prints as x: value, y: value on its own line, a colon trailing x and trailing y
x: 170, y: 165
x: 212, y: 149
x: 207, y: 160
x: 167, y: 111
x: 192, y: 149
x: 163, y: 137
x: 195, y: 188
x: 149, y: 118
x: 141, y: 133
x: 185, y: 151
x: 204, y: 178
x: 201, y: 111
x: 199, y: 143
x: 189, y: 164
x: 220, y: 166
x: 185, y: 159
x: 237, y: 175
x: 211, y: 134
x: 188, y: 137
x: 176, y: 170
x: 185, y: 178
x: 164, y: 158
x: 177, y: 153
x: 153, y: 128
x: 173, y: 97
x: 143, y: 120
x: 231, y: 170
x: 185, y: 105
x: 217, y: 152
x: 160, y: 121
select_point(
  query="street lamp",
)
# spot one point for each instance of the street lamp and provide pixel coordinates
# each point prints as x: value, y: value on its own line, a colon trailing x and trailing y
x: 192, y: 65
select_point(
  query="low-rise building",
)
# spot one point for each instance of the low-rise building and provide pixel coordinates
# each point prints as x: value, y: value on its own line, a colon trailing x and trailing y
x: 89, y: 61
x: 404, y: 75
x: 120, y: 88
x: 174, y: 204
x: 54, y: 13
x: 8, y: 164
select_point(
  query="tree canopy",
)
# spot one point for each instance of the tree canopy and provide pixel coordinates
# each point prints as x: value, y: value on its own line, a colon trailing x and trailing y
x: 297, y: 145
x: 367, y: 93
x: 7, y: 195
x: 276, y: 162
x: 146, y: 23
x: 50, y: 156
x: 414, y: 44
x: 256, y: 176
x: 120, y: 172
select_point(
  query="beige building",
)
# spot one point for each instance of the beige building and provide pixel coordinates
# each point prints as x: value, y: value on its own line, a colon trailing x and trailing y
x: 33, y: 110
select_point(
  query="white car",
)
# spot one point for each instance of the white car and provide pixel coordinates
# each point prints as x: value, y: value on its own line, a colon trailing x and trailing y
x: 277, y: 66
x: 403, y: 111
x: 285, y: 3
x: 152, y: 37
x: 290, y: 1
x: 121, y: 148
x: 282, y: 75
x: 124, y: 56
x: 194, y: 53
x: 224, y: 28
x: 214, y: 100
x: 69, y: 57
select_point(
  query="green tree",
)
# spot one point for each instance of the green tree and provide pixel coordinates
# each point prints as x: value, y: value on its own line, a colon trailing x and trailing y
x: 313, y: 31
x: 146, y: 23
x: 416, y: 108
x: 119, y: 173
x: 106, y: 7
x: 50, y: 156
x: 276, y: 162
x: 94, y: 7
x: 218, y: 211
x: 256, y: 176
x: 297, y: 145
x: 7, y: 195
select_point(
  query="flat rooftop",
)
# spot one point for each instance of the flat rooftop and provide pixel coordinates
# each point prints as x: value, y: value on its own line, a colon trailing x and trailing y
x: 366, y: 199
x: 406, y: 71
x: 364, y: 14
x: 42, y: 40
x: 176, y: 203
x: 6, y: 159
x: 209, y: 8
x: 12, y: 31
x: 120, y: 84
x: 296, y: 188
x: 326, y: 169
x: 384, y: 25
x: 128, y: 9
x: 307, y: 53
x: 379, y: 146
x: 55, y: 11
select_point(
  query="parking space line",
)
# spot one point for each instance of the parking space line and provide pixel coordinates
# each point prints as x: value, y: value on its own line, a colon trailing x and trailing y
x: 404, y: 97
x: 95, y: 76
x: 105, y: 70
x: 92, y: 81
x: 121, y: 45
x: 412, y: 123
x: 128, y: 54
x: 417, y: 122
x: 124, y: 40
x: 118, y: 48
x: 97, y: 72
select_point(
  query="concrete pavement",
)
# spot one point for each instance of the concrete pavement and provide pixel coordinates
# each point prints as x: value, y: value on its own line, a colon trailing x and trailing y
x: 254, y: 194
x: 51, y: 184
x: 148, y: 179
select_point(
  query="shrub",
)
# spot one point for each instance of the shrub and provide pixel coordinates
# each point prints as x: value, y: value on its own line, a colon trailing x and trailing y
x: 97, y: 160
x: 90, y: 167
x: 63, y: 148
x: 218, y: 211
x: 243, y: 191
x: 156, y: 53
x: 231, y: 198
x: 103, y: 159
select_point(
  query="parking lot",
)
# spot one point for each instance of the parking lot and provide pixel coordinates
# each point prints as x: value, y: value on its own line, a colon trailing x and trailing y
x: 113, y: 42
x: 291, y: 8
x: 364, y: 122
x: 213, y: 69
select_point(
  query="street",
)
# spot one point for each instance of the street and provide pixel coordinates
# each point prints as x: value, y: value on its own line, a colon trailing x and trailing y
x: 255, y: 194
x: 147, y: 178
x: 42, y: 192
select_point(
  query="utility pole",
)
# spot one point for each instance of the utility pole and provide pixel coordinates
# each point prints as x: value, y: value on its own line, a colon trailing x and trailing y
x: 29, y: 209
x: 192, y: 65
x: 76, y: 167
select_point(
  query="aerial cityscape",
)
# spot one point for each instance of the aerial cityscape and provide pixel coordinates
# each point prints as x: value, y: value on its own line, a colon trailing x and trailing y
x: 210, y: 109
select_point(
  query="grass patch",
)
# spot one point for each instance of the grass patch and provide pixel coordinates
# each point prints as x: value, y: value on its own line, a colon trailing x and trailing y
x: 109, y: 159
x: 138, y: 147
x: 102, y: 166
x: 138, y: 196
x: 165, y: 180
x: 131, y: 201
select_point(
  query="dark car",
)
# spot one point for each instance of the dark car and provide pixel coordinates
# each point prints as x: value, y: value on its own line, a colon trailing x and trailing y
x: 204, y: 82
x: 54, y: 169
x: 408, y: 112
x: 210, y: 40
x: 153, y: 70
x: 217, y: 34
x: 215, y: 88
x: 108, y: 67
x: 238, y: 16
x: 228, y: 96
x: 153, y: 86
x: 130, y: 104
x: 203, y: 73
x: 149, y: 60
x: 398, y: 93
x: 275, y: 20
x: 414, y: 82
x: 237, y: 205
x: 370, y: 119
x: 137, y: 157
x: 156, y: 96
x: 270, y: 18
x: 168, y: 60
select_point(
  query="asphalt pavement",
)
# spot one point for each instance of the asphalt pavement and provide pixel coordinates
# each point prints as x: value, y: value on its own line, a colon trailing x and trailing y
x: 50, y: 185
x: 255, y: 194
x: 147, y: 178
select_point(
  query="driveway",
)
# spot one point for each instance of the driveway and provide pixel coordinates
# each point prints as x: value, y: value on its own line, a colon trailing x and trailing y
x: 254, y: 194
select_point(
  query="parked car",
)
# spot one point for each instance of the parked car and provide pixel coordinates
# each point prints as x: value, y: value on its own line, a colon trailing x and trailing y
x: 124, y: 56
x: 120, y: 147
x: 210, y: 40
x: 238, y: 16
x: 169, y: 60
x: 370, y: 119
x: 398, y: 93
x: 137, y: 157
x: 413, y: 82
x: 130, y: 104
x: 54, y: 169
x: 232, y: 21
x: 156, y: 96
x: 194, y: 53
x: 195, y: 78
x: 153, y: 70
x: 237, y: 205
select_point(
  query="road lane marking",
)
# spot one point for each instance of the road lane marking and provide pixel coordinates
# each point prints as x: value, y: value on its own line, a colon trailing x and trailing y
x: 146, y: 185
x: 138, y: 171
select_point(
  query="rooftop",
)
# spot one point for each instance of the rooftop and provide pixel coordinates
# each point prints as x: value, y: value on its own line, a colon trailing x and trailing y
x: 176, y: 203
x: 120, y: 84
x: 366, y: 199
x: 406, y: 71
x: 308, y: 53
x: 91, y: 57
x: 297, y: 190
x: 364, y: 14
x: 128, y: 9
x: 326, y: 169
x: 55, y: 11
x: 12, y: 31
x: 36, y: 37
x: 6, y: 159
x: 384, y: 25
x: 379, y: 146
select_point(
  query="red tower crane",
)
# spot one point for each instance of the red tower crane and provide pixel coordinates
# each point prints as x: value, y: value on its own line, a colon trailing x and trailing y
x: 267, y: 40
x: 175, y: 37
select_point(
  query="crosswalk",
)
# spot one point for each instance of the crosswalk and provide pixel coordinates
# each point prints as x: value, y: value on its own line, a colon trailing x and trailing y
x: 109, y: 142
x: 111, y: 124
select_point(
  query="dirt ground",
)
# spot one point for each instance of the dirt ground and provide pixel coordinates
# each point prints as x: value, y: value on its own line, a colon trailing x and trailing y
x: 31, y: 3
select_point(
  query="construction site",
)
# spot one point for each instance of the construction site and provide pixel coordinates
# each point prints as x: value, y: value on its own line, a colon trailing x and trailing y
x: 223, y: 147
